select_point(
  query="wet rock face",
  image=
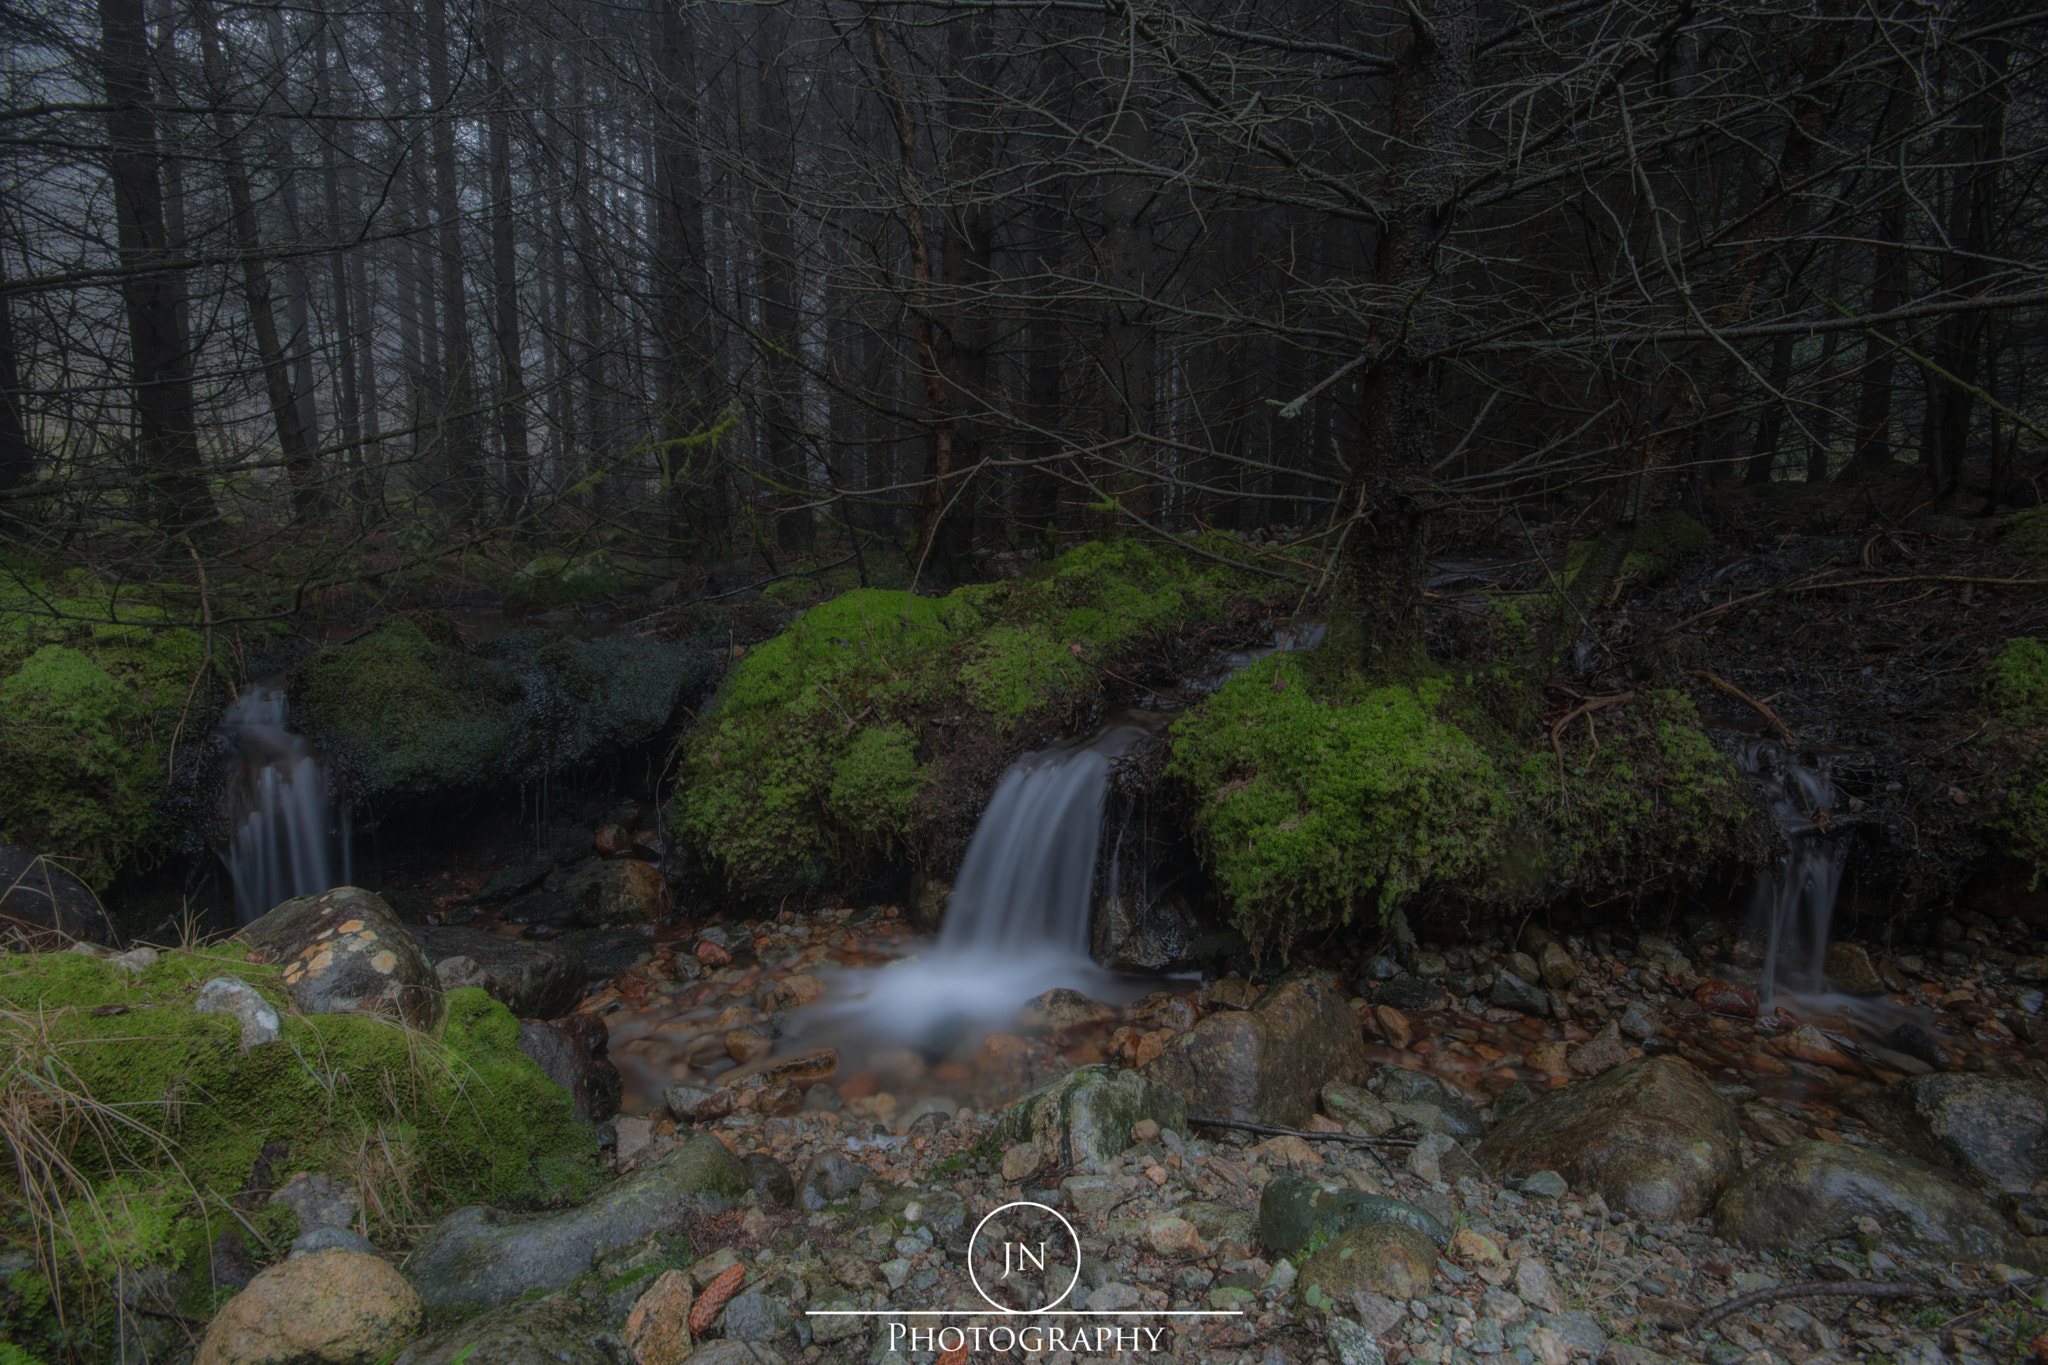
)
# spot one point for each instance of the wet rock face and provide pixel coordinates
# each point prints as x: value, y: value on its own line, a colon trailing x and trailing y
x: 534, y: 980
x: 1651, y: 1137
x: 480, y: 1255
x: 1268, y: 1063
x: 545, y: 1332
x: 345, y: 952
x: 1088, y: 1114
x: 572, y: 1051
x: 47, y: 905
x: 1812, y: 1192
x: 1990, y: 1130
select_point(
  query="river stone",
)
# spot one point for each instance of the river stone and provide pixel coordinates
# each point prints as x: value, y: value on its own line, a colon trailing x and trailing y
x: 1371, y: 1258
x: 345, y: 952
x: 1087, y: 1115
x: 537, y: 1332
x: 1061, y: 1009
x: 45, y: 904
x: 572, y: 1051
x: 1409, y: 993
x: 1991, y: 1130
x: 1512, y: 992
x: 1558, y: 969
x: 534, y: 980
x: 755, y: 1317
x: 1813, y: 1192
x: 771, y: 1180
x: 1850, y: 967
x: 1651, y: 1137
x: 1295, y: 1213
x: 1459, y: 1119
x: 609, y: 894
x: 1267, y: 1064
x: 1358, y: 1109
x: 829, y: 1176
x: 328, y: 1306
x: 479, y: 1255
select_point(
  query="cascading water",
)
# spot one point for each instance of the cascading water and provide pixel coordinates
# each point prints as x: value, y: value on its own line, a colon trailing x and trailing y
x: 286, y: 835
x: 1795, y: 909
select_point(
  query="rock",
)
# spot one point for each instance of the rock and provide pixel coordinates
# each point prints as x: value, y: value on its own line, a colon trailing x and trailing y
x: 1556, y: 966
x: 1267, y: 1064
x: 319, y: 1201
x: 1544, y: 1185
x: 1295, y: 1214
x: 1808, y: 1044
x: 1809, y: 1193
x: 1639, y: 1021
x: 481, y: 1255
x: 1353, y: 1344
x: 658, y: 1328
x: 1551, y: 1057
x: 1511, y: 992
x: 1455, y: 1116
x: 1091, y: 1195
x: 534, y: 980
x: 1394, y: 1026
x: 695, y: 1104
x: 630, y: 1137
x: 1060, y: 1010
x: 1425, y: 1157
x: 1512, y: 1101
x: 329, y: 1306
x: 1411, y: 994
x: 1171, y: 1236
x: 1727, y: 999
x: 47, y: 906
x: 755, y: 1317
x: 537, y: 1332
x: 1088, y: 1114
x: 793, y: 992
x: 1536, y: 1288
x: 1652, y: 1137
x: 771, y: 1180
x: 1358, y: 1109
x: 234, y: 996
x: 1991, y: 1130
x: 1850, y: 967
x: 543, y: 908
x: 830, y: 1176
x: 345, y: 952
x: 572, y: 1051
x: 745, y: 1046
x: 1602, y: 1051
x: 609, y: 894
x: 753, y: 1353
x: 1232, y: 992
x: 320, y: 1239
x: 1917, y: 1042
x: 1378, y: 1258
x: 1021, y: 1160
x: 135, y: 961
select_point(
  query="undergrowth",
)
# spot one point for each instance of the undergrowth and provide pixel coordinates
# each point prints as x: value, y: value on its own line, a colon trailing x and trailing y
x: 2013, y: 687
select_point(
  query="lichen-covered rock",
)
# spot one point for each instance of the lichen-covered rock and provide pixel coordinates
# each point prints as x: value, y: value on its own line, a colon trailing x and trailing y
x: 326, y: 1308
x: 1296, y: 1214
x: 481, y: 1255
x: 1267, y: 1064
x: 1087, y: 1114
x: 532, y: 978
x: 573, y: 1050
x: 539, y: 1332
x: 1809, y: 1193
x: 1993, y: 1130
x: 45, y: 905
x: 344, y: 952
x: 231, y: 995
x: 1391, y: 1259
x: 610, y: 894
x: 1652, y: 1137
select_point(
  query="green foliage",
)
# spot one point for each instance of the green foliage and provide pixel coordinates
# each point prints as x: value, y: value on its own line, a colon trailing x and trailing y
x: 2014, y: 689
x: 158, y: 1115
x: 1318, y: 803
x: 2014, y: 682
x: 554, y: 580
x: 2026, y: 533
x: 809, y: 758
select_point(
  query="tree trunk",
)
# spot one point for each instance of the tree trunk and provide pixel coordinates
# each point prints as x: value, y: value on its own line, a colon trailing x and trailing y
x: 776, y: 277
x: 458, y: 423
x: 691, y: 479
x: 1770, y: 421
x: 505, y: 268
x: 1873, y: 449
x: 17, y: 455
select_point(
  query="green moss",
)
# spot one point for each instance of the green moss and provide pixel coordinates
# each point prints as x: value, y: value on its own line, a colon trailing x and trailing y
x: 2013, y: 686
x: 555, y: 580
x: 2014, y: 683
x: 161, y: 1116
x: 1663, y: 546
x: 2026, y: 533
x: 787, y: 780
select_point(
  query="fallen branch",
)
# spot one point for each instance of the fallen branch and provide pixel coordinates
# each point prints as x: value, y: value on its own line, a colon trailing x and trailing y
x: 1730, y: 605
x: 1723, y: 685
x: 1854, y: 1289
x: 1353, y: 1139
x: 1586, y: 709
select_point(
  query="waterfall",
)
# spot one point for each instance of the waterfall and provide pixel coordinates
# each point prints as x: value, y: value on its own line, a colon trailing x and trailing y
x: 286, y: 837
x: 1796, y: 909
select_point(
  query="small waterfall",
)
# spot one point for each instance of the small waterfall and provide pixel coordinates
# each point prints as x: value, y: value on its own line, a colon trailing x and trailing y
x: 1796, y: 908
x: 286, y: 837
x: 1029, y: 876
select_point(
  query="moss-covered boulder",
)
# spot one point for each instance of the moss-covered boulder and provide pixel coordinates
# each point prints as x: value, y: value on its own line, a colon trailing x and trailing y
x: 1087, y: 1115
x: 822, y: 748
x: 1297, y: 1215
x: 414, y: 713
x: 144, y: 1119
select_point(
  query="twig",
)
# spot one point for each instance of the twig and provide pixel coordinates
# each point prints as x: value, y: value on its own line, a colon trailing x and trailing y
x: 1353, y: 1139
x: 1586, y: 709
x: 1856, y: 1289
x: 1853, y: 583
x: 1723, y: 685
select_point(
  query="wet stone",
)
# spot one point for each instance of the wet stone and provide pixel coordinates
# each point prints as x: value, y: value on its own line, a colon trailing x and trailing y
x: 1411, y: 994
x: 1512, y: 992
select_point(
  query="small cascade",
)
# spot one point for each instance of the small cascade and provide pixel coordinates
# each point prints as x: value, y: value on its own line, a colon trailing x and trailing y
x: 286, y: 836
x: 1794, y: 910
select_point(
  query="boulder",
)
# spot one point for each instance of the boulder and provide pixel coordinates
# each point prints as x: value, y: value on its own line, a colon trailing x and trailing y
x: 1358, y: 1109
x: 1991, y: 1130
x: 1850, y: 967
x: 234, y: 996
x: 45, y: 904
x: 1372, y: 1258
x: 330, y: 1306
x: 1061, y: 1009
x: 572, y: 1051
x: 1456, y: 1116
x: 658, y: 1327
x: 1651, y: 1137
x: 1411, y: 994
x: 538, y: 1332
x: 771, y: 1180
x: 611, y: 894
x: 1813, y: 1192
x: 1513, y: 992
x: 1267, y: 1064
x: 1087, y: 1115
x: 1295, y: 1214
x: 480, y: 1255
x: 534, y: 980
x: 829, y: 1176
x: 345, y: 952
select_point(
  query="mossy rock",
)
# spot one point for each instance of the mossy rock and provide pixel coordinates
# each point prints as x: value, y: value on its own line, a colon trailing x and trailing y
x: 1087, y: 1115
x: 1663, y: 546
x: 559, y: 580
x: 1297, y: 1215
x: 2013, y: 694
x: 2026, y: 533
x: 162, y: 1116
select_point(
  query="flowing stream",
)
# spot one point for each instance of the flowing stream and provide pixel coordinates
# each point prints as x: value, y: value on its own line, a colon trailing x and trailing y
x: 286, y: 835
x: 1796, y: 907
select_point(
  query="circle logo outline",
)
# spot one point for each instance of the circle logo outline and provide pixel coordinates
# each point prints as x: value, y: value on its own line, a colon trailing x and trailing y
x: 975, y: 1280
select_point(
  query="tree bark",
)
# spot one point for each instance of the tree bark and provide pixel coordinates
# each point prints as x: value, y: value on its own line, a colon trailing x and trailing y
x: 505, y: 267
x: 692, y: 480
x: 458, y: 422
